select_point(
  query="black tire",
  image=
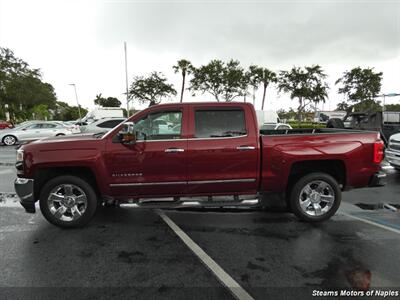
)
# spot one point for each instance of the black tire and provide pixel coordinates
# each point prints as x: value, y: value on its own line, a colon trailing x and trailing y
x: 298, y: 194
x: 397, y: 169
x: 9, y: 140
x: 335, y: 123
x: 60, y: 134
x: 79, y: 186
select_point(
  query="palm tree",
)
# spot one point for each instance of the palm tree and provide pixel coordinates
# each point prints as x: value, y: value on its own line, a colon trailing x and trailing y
x: 267, y: 77
x: 186, y: 68
x: 260, y: 75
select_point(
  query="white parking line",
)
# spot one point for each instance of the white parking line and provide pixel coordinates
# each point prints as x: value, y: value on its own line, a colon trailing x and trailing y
x: 222, y: 276
x: 7, y: 171
x: 372, y: 223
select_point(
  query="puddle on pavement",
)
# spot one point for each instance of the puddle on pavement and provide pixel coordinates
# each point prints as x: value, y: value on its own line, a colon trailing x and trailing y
x: 378, y: 206
x: 9, y: 200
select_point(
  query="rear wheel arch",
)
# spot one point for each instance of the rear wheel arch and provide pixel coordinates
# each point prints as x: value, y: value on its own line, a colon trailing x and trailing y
x: 315, y: 197
x: 334, y: 168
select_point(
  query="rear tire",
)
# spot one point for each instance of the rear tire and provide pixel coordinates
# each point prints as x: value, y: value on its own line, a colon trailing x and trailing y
x: 315, y: 197
x: 335, y: 123
x: 68, y: 201
x: 9, y: 140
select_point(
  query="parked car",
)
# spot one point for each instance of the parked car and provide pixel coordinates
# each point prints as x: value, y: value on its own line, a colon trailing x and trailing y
x: 217, y: 151
x: 74, y: 127
x: 392, y: 152
x: 103, y: 112
x: 275, y: 126
x: 102, y: 125
x: 33, y: 131
x: 5, y: 124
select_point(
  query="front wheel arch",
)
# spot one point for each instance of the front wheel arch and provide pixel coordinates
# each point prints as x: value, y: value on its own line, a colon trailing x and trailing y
x: 78, y: 184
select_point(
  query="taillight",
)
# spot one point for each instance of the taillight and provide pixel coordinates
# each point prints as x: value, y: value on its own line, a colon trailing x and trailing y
x: 378, y: 152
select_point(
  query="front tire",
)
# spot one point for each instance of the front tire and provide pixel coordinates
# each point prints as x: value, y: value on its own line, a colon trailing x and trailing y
x: 9, y: 140
x: 68, y: 201
x: 315, y: 197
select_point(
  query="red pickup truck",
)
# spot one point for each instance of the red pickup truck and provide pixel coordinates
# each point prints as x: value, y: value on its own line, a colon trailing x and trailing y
x: 195, y: 154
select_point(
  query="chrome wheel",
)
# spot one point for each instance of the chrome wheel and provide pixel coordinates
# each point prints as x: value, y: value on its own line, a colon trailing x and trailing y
x: 316, y: 198
x: 9, y: 140
x: 67, y: 202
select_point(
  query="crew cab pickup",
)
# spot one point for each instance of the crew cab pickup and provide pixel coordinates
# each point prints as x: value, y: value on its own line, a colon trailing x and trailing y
x: 195, y: 154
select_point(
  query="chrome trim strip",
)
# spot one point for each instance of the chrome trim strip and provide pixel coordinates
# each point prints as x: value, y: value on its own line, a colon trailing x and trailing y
x: 182, y: 182
x: 147, y: 183
x: 174, y: 150
x: 217, y: 138
x: 193, y: 139
x: 221, y: 181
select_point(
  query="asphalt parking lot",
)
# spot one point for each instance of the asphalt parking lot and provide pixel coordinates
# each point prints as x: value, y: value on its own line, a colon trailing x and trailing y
x: 201, y: 254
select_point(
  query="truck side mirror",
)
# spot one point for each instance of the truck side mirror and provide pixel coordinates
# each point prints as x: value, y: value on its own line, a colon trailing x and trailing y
x: 127, y: 134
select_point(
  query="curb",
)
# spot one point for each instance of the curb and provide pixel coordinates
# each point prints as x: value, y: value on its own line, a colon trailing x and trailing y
x: 7, y: 164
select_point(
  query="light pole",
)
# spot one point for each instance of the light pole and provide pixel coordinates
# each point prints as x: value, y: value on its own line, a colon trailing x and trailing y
x: 77, y: 102
x: 126, y: 81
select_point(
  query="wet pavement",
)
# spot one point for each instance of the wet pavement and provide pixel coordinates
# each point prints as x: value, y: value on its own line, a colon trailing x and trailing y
x: 132, y: 253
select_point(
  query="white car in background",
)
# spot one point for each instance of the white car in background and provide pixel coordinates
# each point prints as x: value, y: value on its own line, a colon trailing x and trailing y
x: 275, y: 126
x: 102, y: 125
x: 392, y: 153
x: 33, y: 131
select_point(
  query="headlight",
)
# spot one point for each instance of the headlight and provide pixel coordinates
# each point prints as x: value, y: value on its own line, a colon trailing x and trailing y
x: 20, y: 155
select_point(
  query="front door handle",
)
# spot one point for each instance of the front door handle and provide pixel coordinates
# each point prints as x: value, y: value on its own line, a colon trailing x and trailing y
x: 174, y: 150
x: 245, y: 148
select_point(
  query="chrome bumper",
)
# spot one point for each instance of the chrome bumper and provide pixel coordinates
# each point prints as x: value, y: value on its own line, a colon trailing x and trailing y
x: 393, y: 157
x: 24, y: 189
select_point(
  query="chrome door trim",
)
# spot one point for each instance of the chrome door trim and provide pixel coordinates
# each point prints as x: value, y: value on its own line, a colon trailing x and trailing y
x: 174, y: 150
x: 146, y: 183
x: 221, y: 181
x: 182, y: 182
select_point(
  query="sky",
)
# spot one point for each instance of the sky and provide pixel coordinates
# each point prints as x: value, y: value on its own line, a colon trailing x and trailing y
x: 82, y: 42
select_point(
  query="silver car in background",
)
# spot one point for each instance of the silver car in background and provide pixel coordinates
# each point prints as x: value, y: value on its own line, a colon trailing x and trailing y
x: 392, y: 153
x: 101, y: 125
x: 33, y: 130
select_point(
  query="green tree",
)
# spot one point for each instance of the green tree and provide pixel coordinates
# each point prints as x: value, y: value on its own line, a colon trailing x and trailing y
x: 151, y: 89
x: 22, y: 86
x: 64, y: 112
x: 222, y: 80
x: 41, y: 112
x: 361, y: 86
x: 342, y: 106
x: 107, y: 102
x: 306, y: 84
x: 186, y: 68
x: 392, y: 107
x: 262, y: 76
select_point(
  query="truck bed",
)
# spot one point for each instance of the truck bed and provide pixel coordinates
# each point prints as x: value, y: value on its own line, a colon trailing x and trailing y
x: 285, y: 152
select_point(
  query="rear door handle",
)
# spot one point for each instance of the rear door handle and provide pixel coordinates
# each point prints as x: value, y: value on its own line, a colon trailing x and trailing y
x: 174, y: 150
x: 245, y: 148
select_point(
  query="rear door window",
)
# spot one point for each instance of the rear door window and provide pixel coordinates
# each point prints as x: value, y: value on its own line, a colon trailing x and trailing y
x: 219, y: 123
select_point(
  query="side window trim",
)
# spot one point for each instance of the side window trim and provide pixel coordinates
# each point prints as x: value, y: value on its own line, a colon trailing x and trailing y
x: 215, y: 109
x: 161, y: 112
